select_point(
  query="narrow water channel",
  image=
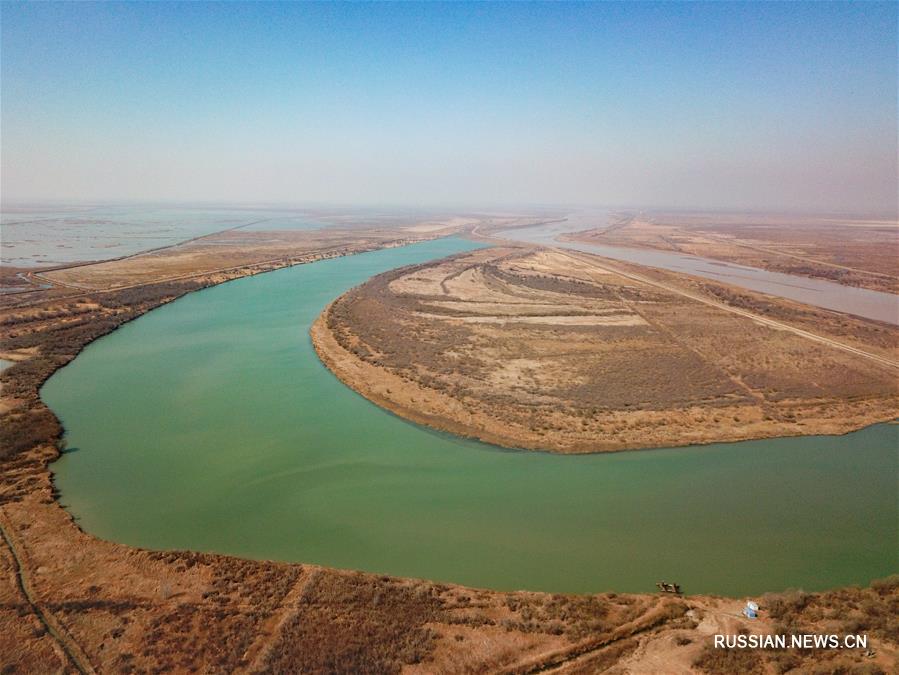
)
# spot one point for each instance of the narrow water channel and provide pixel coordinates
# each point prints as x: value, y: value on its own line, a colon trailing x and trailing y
x: 818, y: 292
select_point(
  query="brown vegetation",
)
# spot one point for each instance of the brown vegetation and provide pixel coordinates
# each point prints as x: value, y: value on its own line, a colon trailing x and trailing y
x: 555, y: 350
x: 872, y: 611
x: 848, y: 251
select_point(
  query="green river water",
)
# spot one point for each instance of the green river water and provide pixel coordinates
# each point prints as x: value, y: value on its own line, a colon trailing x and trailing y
x: 210, y: 424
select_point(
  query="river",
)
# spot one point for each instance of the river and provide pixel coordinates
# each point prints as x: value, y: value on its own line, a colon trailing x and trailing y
x: 210, y: 424
x: 826, y: 294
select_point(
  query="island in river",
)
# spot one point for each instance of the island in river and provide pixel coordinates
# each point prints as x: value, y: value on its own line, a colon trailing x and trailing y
x: 558, y: 350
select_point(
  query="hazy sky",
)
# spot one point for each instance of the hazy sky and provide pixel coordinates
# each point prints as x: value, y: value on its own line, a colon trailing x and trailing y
x: 718, y: 105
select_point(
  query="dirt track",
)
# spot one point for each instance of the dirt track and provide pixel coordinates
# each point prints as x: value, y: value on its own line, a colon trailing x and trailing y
x: 611, y: 267
x: 73, y: 653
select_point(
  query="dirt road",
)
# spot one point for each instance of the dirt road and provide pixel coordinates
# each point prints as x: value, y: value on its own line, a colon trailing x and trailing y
x: 73, y: 653
x: 610, y: 267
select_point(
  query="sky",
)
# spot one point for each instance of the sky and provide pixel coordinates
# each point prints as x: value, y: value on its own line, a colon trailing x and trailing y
x: 747, y: 106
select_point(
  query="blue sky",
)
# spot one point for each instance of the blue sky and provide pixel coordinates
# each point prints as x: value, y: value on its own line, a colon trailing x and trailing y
x: 672, y: 104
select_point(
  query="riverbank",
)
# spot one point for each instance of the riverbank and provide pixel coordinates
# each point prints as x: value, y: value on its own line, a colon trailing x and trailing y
x: 473, y: 345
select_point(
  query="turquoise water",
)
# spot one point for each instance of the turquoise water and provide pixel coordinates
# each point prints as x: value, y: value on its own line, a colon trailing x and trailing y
x: 210, y: 424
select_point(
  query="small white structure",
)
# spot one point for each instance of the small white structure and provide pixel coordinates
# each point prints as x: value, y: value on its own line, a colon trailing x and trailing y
x: 751, y: 610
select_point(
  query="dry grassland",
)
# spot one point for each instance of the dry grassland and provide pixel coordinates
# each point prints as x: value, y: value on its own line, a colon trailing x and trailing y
x: 552, y: 350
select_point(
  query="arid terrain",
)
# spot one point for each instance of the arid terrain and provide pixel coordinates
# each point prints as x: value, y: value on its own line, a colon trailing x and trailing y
x: 222, y: 254
x: 550, y: 349
x: 449, y: 338
x: 72, y: 603
x: 854, y: 252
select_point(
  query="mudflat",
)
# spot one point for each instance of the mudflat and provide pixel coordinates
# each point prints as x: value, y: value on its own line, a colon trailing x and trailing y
x: 554, y: 350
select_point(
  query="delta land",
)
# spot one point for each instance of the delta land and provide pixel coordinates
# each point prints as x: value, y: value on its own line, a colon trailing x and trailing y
x: 70, y: 602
